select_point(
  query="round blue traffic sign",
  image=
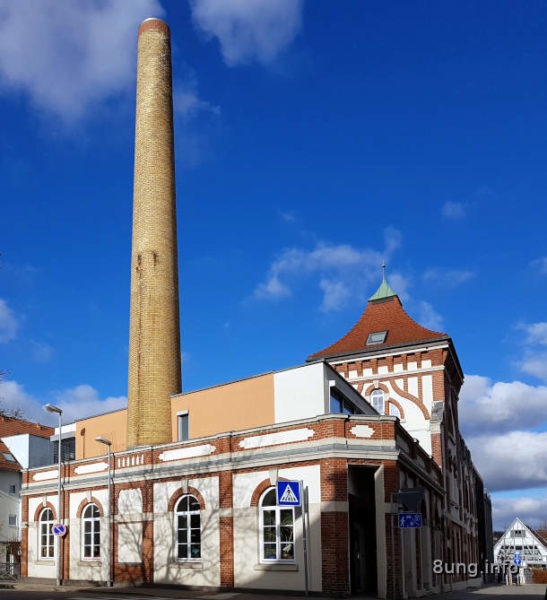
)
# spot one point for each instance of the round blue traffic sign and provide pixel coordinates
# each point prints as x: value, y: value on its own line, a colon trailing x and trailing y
x: 59, y: 529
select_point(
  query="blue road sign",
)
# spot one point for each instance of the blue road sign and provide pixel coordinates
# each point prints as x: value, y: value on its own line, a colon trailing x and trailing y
x: 517, y: 559
x: 59, y: 529
x: 410, y: 520
x: 288, y: 493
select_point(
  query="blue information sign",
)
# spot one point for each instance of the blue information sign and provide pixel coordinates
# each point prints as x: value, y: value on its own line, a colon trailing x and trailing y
x: 59, y: 529
x: 410, y: 520
x: 288, y: 493
x: 517, y: 559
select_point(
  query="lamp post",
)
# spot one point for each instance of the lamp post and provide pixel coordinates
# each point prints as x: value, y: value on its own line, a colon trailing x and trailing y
x: 108, y: 444
x: 55, y: 409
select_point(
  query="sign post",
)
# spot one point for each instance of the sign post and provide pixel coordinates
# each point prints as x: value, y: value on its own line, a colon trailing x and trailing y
x: 293, y: 493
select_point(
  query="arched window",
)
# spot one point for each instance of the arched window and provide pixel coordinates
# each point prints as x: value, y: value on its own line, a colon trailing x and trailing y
x: 276, y: 529
x: 188, y: 528
x: 377, y: 400
x: 91, y: 532
x: 394, y: 410
x: 45, y: 534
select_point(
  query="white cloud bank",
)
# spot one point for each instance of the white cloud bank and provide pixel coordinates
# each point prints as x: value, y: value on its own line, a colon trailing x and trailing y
x: 8, y: 323
x: 454, y: 210
x: 249, y: 30
x: 531, y: 510
x: 343, y: 271
x: 65, y: 55
x: 77, y: 402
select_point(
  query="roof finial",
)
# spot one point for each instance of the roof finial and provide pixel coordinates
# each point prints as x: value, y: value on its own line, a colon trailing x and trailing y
x: 384, y: 291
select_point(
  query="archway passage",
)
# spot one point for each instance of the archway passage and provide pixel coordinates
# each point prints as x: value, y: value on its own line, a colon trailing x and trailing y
x: 362, y: 530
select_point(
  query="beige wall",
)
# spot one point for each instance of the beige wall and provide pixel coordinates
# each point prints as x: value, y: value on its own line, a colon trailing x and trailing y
x: 239, y: 405
x: 112, y: 426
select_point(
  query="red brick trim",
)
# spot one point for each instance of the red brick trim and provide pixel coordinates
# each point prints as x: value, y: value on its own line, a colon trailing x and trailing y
x: 412, y: 398
x: 398, y: 405
x: 190, y: 491
x: 42, y: 507
x: 259, y: 490
x: 85, y: 502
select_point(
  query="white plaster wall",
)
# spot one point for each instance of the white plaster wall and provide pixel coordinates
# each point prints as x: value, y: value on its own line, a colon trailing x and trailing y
x: 299, y: 393
x: 10, y: 504
x: 130, y: 543
x: 80, y: 569
x: 205, y: 572
x: 130, y: 503
x: 248, y: 571
x: 44, y: 568
x: 427, y: 391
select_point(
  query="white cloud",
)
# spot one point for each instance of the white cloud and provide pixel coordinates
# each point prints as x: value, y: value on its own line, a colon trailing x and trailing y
x: 536, y: 332
x: 499, y: 407
x: 8, y: 323
x: 335, y: 295
x: 40, y: 352
x: 248, y: 30
x: 535, y: 365
x: 187, y: 103
x: 541, y: 264
x: 342, y: 271
x: 453, y: 210
x: 511, y: 461
x: 429, y: 317
x: 531, y: 510
x: 84, y: 401
x: 66, y: 55
x: 77, y: 402
x: 447, y: 277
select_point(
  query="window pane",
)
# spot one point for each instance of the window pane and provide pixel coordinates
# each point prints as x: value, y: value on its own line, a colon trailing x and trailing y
x: 269, y: 517
x: 269, y: 499
x: 195, y: 536
x: 183, y: 536
x: 193, y: 503
x: 182, y: 521
x: 183, y: 551
x: 287, y: 551
x: 195, y: 551
x: 270, y: 552
x: 334, y: 405
x: 194, y: 521
x: 269, y: 534
x: 286, y: 534
x: 286, y: 516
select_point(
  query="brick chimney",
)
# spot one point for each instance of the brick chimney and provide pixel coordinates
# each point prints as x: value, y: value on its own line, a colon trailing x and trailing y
x: 154, y: 336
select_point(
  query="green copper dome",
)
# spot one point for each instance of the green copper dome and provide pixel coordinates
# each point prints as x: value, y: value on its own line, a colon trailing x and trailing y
x: 384, y: 291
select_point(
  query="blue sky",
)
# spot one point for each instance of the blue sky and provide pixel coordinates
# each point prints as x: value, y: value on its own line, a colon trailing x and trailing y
x: 314, y: 140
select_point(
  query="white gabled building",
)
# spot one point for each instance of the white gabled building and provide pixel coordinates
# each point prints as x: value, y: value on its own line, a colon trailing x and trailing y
x: 520, y: 538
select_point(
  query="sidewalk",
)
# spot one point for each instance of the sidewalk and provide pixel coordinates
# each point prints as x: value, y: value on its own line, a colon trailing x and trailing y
x: 532, y: 591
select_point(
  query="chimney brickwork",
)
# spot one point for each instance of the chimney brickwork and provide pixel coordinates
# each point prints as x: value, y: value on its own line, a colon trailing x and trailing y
x: 154, y: 338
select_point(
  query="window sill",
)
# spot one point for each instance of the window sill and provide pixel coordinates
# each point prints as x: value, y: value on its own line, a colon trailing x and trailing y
x: 279, y: 566
x: 188, y: 564
x: 90, y: 563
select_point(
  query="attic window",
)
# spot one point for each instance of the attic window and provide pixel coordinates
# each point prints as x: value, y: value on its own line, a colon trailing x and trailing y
x: 377, y: 337
x: 9, y: 457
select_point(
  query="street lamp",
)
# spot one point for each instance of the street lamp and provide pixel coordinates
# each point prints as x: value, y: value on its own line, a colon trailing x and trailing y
x: 55, y: 409
x: 108, y: 444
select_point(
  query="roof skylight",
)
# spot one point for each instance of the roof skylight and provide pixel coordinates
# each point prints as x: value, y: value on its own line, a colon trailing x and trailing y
x: 378, y: 337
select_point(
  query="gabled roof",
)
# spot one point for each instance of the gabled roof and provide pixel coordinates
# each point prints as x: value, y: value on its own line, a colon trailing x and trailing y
x: 384, y: 313
x: 12, y: 426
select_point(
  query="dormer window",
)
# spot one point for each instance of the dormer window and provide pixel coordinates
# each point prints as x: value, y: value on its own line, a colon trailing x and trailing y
x: 378, y: 337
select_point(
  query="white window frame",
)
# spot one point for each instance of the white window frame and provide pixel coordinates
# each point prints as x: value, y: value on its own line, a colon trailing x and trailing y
x: 188, y: 513
x: 183, y: 416
x: 374, y: 397
x: 45, y: 528
x: 94, y: 523
x: 276, y: 510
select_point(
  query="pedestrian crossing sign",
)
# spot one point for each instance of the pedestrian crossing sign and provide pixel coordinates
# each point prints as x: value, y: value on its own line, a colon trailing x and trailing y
x: 288, y: 493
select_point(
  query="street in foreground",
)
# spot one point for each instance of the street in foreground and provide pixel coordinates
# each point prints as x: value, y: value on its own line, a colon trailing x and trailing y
x: 48, y: 592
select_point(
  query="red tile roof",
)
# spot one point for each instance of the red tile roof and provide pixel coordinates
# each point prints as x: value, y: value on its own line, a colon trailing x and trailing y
x: 388, y: 315
x: 12, y: 426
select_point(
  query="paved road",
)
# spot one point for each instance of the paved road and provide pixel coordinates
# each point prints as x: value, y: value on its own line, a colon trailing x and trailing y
x: 48, y: 592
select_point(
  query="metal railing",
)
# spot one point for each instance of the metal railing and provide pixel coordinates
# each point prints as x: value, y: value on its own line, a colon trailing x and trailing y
x: 10, y: 571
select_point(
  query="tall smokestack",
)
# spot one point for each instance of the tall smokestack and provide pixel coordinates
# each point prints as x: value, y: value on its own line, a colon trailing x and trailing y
x: 154, y: 336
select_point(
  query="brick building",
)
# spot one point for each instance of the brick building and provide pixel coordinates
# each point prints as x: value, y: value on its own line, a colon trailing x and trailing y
x: 186, y: 496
